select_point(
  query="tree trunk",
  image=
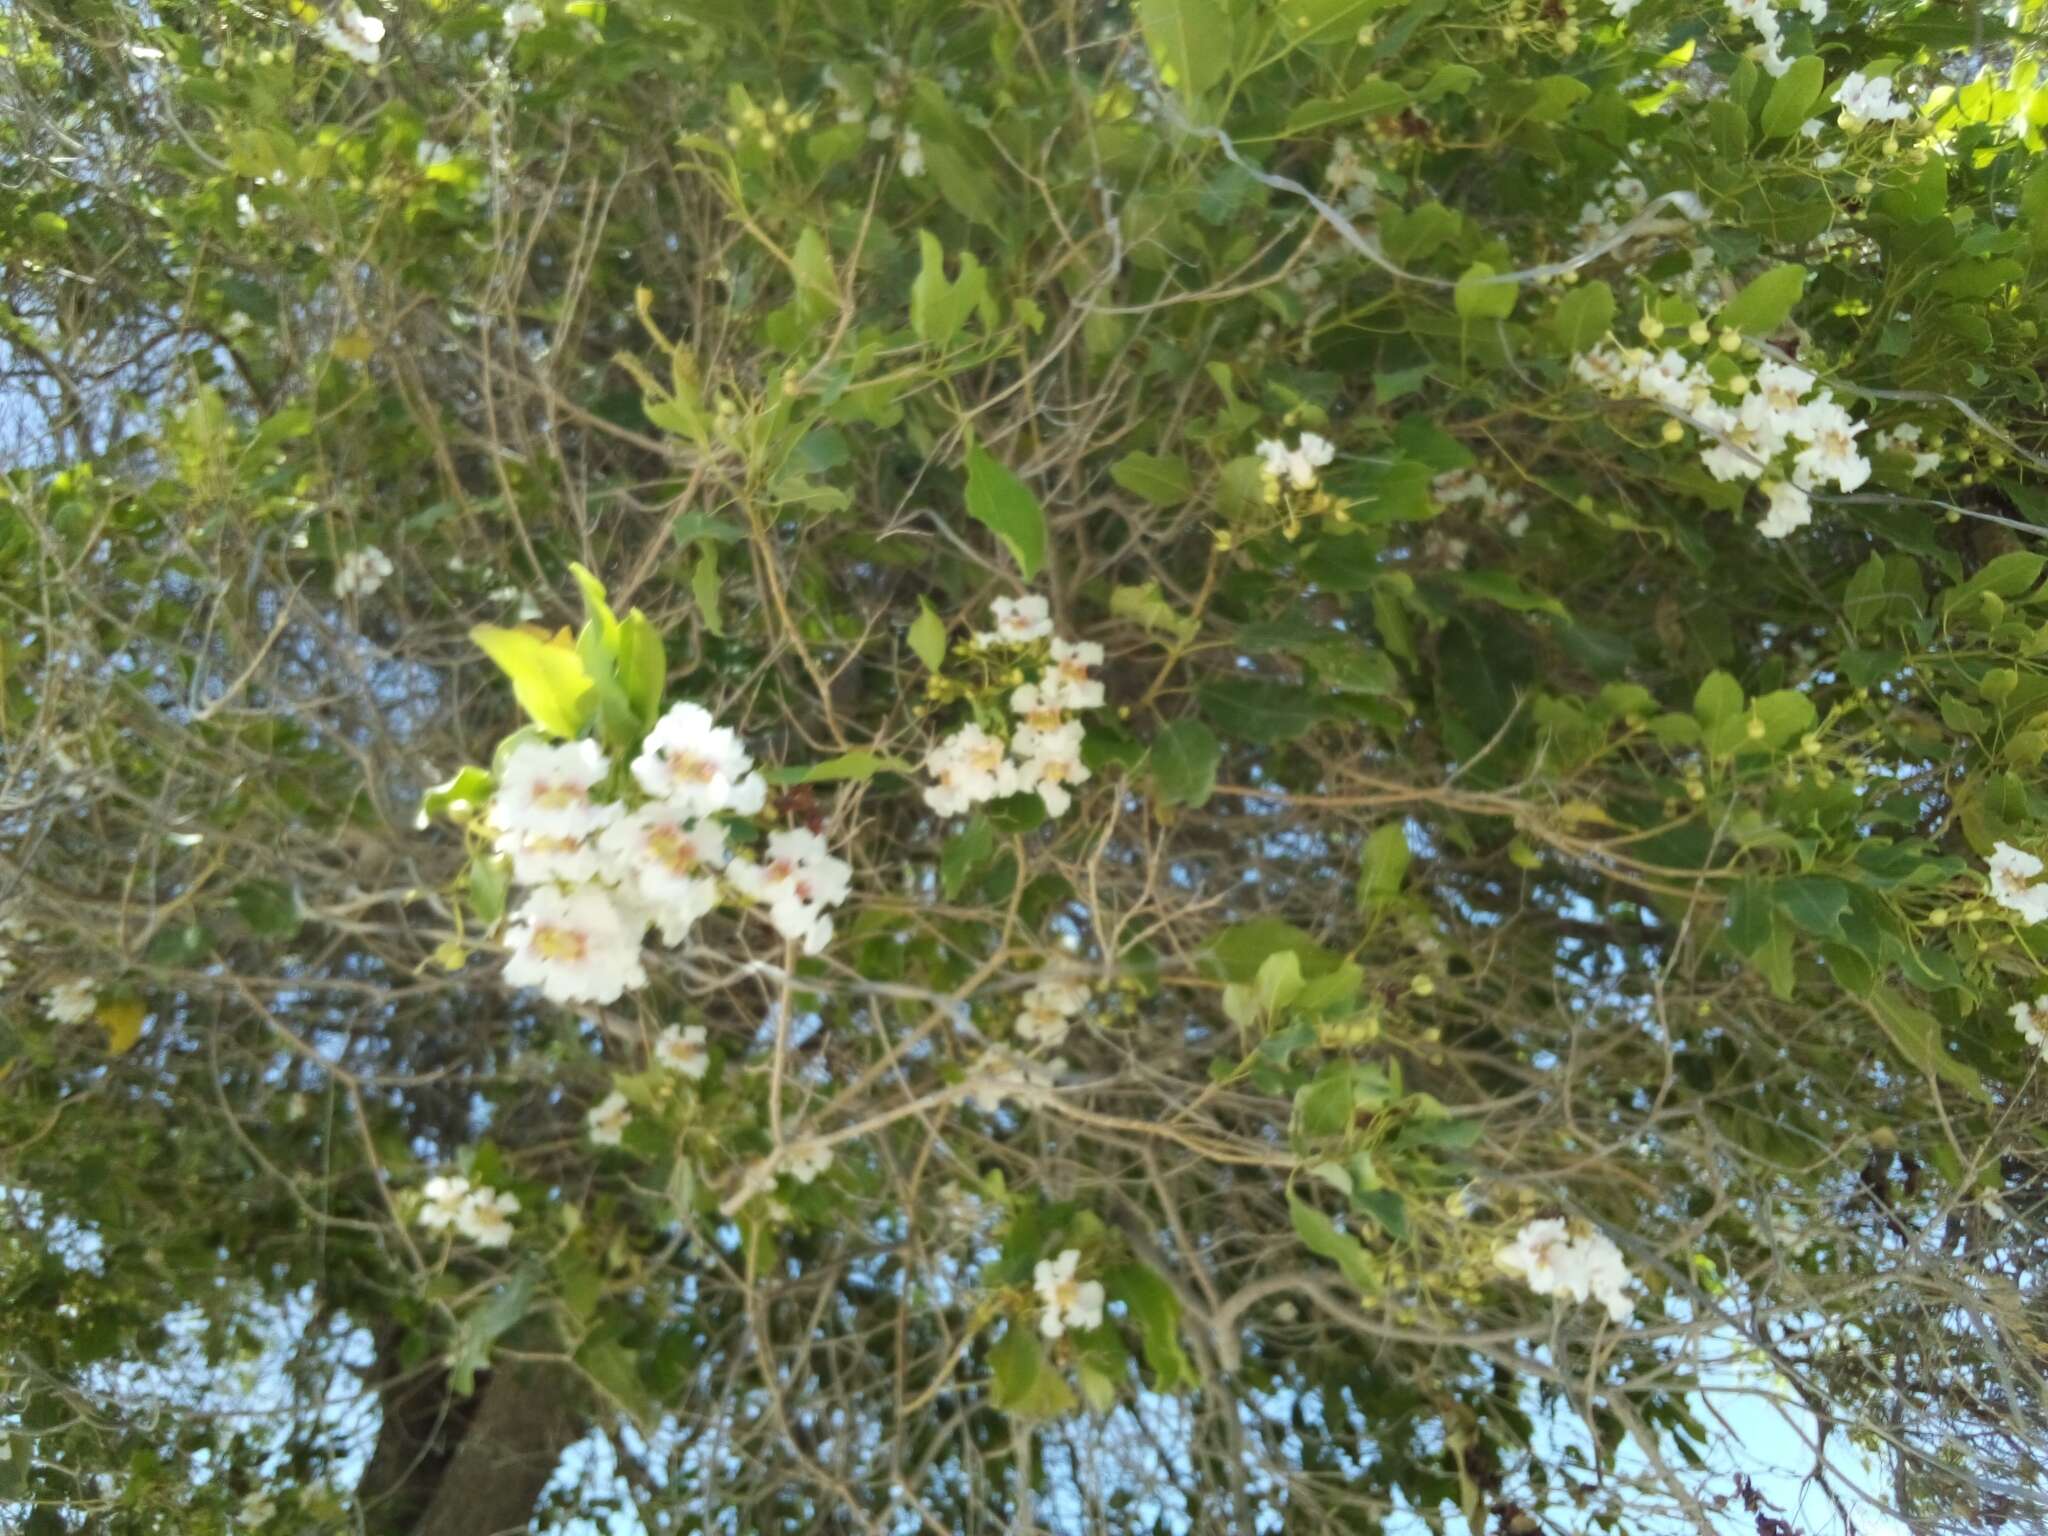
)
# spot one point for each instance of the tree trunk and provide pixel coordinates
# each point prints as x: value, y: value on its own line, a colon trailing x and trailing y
x: 475, y: 1466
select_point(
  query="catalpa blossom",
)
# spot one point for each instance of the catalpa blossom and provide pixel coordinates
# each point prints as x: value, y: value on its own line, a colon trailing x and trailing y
x: 551, y: 791
x: 1048, y: 1011
x: 698, y: 766
x: 608, y: 1119
x: 1789, y: 508
x: 2031, y: 1020
x: 1019, y: 620
x: 970, y: 766
x: 362, y: 572
x: 1048, y: 761
x: 1003, y: 1074
x: 1298, y: 465
x: 1067, y: 683
x: 1552, y: 1262
x: 2012, y: 874
x: 1067, y: 1302
x: 444, y: 1197
x: 683, y: 1050
x: 348, y: 31
x: 522, y: 16
x: 486, y: 1217
x: 798, y: 882
x: 806, y: 1160
x: 1865, y: 101
x: 548, y: 860
x: 577, y: 946
x: 71, y: 1002
x: 669, y: 862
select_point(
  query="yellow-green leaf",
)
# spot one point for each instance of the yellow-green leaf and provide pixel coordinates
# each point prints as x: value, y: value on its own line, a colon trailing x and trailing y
x: 547, y: 675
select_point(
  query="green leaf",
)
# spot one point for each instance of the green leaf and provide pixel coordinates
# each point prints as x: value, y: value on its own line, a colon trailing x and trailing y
x: 965, y: 854
x: 1786, y: 715
x: 1481, y: 296
x: 470, y: 1350
x: 1240, y: 950
x: 1184, y: 759
x: 1792, y: 98
x: 938, y: 308
x: 270, y: 909
x: 1190, y: 38
x: 547, y: 676
x: 1026, y: 1384
x: 487, y: 882
x: 1260, y: 709
x: 595, y: 609
x: 1320, y: 1236
x: 1719, y: 698
x: 928, y: 637
x: 1003, y: 504
x: 1155, y: 1311
x: 692, y: 526
x: 1386, y: 866
x: 643, y: 666
x: 1817, y: 903
x: 857, y: 764
x: 1165, y: 482
x: 1583, y: 316
x: 704, y: 588
x: 1764, y: 303
x: 1148, y: 607
x: 459, y: 797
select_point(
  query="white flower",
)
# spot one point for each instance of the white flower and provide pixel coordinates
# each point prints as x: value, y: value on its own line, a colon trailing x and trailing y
x: 551, y: 791
x: 1905, y: 438
x: 806, y: 1160
x: 1042, y: 1025
x: 548, y: 860
x: 486, y: 1217
x: 970, y: 766
x: 800, y: 879
x: 361, y: 572
x: 1296, y: 465
x: 1869, y: 101
x: 1002, y: 1074
x: 444, y: 1198
x: 1020, y: 620
x: 1537, y: 1253
x: 2011, y: 872
x: 1621, y: 8
x: 911, y: 160
x: 577, y: 946
x: 522, y: 16
x: 1068, y: 1303
x: 2031, y: 1020
x: 348, y: 31
x: 1830, y: 454
x: 1030, y: 705
x: 698, y: 765
x: 71, y: 1002
x: 669, y: 862
x: 1067, y: 684
x: 1790, y: 508
x: 1049, y: 761
x: 1554, y: 1263
x: 608, y: 1119
x: 683, y: 1050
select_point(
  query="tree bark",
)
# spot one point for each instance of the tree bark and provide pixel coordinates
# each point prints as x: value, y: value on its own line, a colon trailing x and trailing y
x: 454, y: 1466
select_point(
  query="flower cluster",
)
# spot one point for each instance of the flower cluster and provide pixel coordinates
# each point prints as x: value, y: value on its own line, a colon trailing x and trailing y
x: 362, y: 572
x: 2012, y: 875
x: 1067, y: 1302
x: 1864, y: 101
x: 349, y: 32
x: 2031, y: 1020
x: 1755, y: 424
x: 1763, y: 15
x: 1039, y: 750
x: 476, y: 1211
x: 599, y: 872
x: 1455, y: 486
x: 678, y: 1050
x: 1554, y: 1263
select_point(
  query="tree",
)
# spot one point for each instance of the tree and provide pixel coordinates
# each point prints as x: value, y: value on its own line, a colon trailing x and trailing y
x: 944, y: 766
